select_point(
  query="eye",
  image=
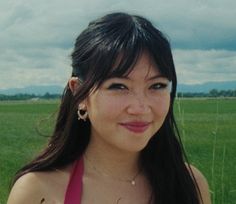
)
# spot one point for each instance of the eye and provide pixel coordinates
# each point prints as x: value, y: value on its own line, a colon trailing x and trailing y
x: 158, y: 86
x: 117, y: 86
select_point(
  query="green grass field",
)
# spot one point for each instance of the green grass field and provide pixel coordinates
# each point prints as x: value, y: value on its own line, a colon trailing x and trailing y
x: 207, y: 127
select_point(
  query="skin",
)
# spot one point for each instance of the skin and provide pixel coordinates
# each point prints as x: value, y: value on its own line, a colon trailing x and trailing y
x: 139, y: 97
x: 202, y: 184
x: 51, y: 187
x: 40, y: 187
x: 113, y: 150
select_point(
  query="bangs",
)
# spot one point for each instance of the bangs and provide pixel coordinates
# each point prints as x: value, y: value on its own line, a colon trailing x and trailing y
x: 124, y: 63
x: 109, y: 49
x: 120, y: 62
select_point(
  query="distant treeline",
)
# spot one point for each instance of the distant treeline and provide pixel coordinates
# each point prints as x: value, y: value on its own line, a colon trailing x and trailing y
x: 32, y: 97
x: 213, y: 93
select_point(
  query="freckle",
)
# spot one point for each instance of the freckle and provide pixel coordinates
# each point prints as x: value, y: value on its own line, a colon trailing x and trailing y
x: 42, y: 201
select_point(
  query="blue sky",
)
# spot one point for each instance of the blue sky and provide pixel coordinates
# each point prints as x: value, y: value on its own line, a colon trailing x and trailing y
x: 37, y: 37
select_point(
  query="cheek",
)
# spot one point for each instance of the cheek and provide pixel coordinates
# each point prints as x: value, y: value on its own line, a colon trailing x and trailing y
x: 161, y: 107
x: 104, y: 107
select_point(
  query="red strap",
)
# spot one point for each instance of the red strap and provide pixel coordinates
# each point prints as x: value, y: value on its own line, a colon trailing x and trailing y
x: 74, y: 188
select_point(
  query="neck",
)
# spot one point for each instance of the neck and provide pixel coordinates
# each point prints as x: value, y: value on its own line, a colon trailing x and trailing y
x: 113, y: 162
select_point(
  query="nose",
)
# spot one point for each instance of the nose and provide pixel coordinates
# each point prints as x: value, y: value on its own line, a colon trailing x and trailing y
x: 138, y: 105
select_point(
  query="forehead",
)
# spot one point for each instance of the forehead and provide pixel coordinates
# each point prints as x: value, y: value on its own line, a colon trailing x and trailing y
x: 145, y: 67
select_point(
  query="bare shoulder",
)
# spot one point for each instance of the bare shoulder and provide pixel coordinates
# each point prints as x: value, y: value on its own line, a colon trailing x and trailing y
x: 202, y: 184
x: 28, y: 189
x: 39, y: 187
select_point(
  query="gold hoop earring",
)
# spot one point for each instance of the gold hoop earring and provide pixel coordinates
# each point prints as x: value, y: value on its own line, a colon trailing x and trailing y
x: 82, y: 113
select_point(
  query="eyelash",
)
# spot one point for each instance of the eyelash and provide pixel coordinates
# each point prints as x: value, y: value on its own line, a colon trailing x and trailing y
x: 117, y: 86
x: 156, y: 86
x: 160, y: 85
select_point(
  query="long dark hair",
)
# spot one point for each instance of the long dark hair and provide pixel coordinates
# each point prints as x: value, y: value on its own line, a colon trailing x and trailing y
x: 94, y: 59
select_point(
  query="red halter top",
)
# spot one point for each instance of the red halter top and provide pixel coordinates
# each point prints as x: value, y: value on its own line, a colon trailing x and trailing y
x: 74, y: 188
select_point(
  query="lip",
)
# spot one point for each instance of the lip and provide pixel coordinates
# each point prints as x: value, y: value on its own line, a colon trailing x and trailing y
x: 136, y: 126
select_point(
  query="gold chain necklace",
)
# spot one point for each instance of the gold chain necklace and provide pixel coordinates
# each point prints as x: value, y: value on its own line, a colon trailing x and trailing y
x: 131, y: 181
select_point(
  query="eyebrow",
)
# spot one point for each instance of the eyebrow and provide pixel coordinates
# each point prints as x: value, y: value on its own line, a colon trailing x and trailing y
x: 156, y: 77
x: 148, y: 79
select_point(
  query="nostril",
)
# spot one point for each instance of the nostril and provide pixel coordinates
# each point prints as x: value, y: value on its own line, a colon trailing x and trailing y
x: 138, y: 106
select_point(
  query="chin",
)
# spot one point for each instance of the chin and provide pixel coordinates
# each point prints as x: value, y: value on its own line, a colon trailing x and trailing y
x: 135, y: 148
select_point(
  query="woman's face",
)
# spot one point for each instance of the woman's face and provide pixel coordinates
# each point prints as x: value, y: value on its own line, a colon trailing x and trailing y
x: 125, y: 112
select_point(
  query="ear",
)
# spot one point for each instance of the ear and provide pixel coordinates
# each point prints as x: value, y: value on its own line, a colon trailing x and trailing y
x: 74, y: 84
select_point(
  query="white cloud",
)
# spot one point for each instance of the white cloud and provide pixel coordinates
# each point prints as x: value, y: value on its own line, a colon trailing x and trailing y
x: 199, y: 66
x: 43, y: 68
x: 37, y: 36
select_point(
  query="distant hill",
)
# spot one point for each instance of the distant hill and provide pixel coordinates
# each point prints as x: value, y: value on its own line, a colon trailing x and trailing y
x: 206, y: 87
x: 194, y: 88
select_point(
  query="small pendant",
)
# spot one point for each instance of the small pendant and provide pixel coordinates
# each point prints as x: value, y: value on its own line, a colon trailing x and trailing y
x: 133, y: 183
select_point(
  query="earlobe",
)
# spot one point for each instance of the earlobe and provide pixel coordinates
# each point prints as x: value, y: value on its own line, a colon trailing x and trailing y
x: 73, y: 84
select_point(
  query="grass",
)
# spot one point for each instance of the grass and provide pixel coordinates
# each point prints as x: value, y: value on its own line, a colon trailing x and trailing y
x: 209, y: 138
x: 207, y: 127
x: 19, y: 140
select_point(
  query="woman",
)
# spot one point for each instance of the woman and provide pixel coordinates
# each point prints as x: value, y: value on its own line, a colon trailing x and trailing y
x: 115, y: 140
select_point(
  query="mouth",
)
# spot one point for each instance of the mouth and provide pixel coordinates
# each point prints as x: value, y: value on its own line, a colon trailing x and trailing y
x: 136, y: 127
